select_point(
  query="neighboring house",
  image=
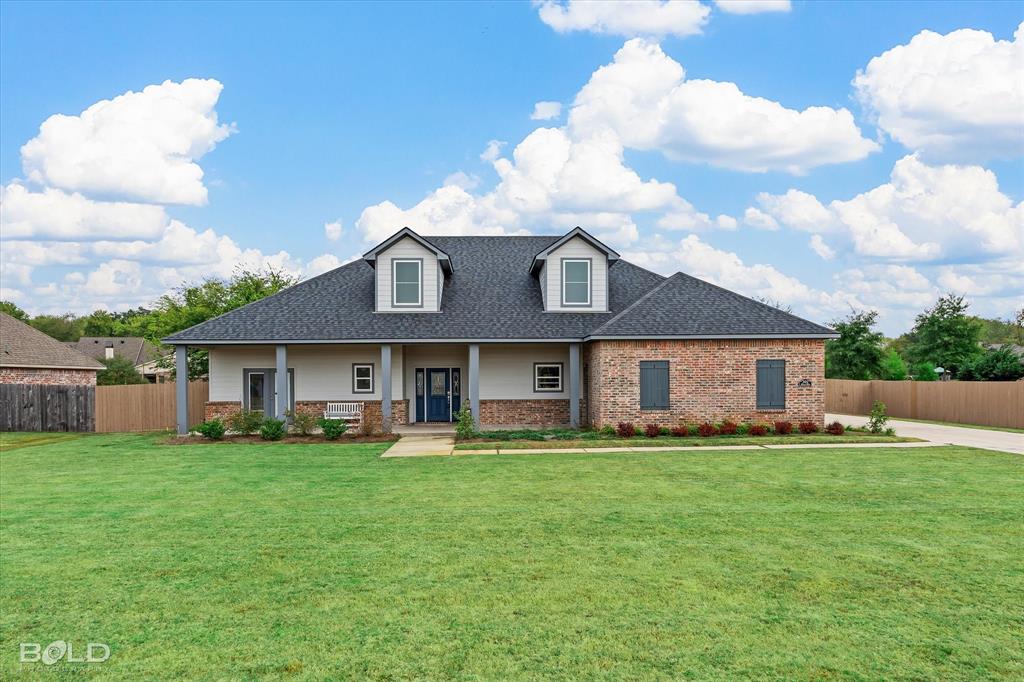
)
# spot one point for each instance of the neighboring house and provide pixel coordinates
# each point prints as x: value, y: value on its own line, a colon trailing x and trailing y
x: 526, y: 330
x: 141, y: 353
x: 28, y: 356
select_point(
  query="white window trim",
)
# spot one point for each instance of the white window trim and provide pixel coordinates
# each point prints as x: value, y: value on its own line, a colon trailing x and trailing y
x: 394, y: 283
x: 536, y: 377
x: 355, y: 383
x: 590, y: 282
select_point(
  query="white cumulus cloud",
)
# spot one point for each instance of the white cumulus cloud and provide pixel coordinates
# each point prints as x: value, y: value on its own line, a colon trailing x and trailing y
x: 957, y: 97
x: 546, y: 111
x: 753, y: 6
x: 644, y: 97
x: 925, y: 212
x: 140, y: 145
x: 332, y: 230
x: 626, y: 17
x: 55, y: 214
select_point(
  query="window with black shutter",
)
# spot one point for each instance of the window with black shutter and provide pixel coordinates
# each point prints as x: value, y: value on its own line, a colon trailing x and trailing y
x: 654, y: 385
x: 771, y: 384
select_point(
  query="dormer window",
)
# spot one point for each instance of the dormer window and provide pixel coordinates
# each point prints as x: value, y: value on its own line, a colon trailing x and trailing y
x: 407, y: 280
x: 575, y: 282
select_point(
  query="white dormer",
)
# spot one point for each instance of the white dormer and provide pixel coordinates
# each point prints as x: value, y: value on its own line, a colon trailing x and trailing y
x: 573, y: 274
x: 410, y: 273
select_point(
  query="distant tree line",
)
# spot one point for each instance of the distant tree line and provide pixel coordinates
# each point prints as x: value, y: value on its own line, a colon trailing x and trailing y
x: 184, y: 307
x: 943, y: 336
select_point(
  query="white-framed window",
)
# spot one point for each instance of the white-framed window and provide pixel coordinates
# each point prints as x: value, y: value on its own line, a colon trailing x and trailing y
x: 407, y: 283
x: 362, y: 378
x: 575, y: 281
x: 547, y: 377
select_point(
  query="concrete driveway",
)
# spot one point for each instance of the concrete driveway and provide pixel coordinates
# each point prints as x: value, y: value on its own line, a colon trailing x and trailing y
x: 1003, y: 441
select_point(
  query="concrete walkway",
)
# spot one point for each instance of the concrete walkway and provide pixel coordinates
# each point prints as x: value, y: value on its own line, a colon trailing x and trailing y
x: 1004, y: 441
x: 421, y: 446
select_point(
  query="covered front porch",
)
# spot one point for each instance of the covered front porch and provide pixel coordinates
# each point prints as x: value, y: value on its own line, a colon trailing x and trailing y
x: 396, y: 385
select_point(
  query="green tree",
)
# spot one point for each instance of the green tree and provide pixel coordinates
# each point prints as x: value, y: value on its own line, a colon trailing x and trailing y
x: 945, y: 335
x: 1000, y: 364
x: 13, y: 310
x: 924, y: 371
x: 857, y: 353
x: 893, y: 368
x: 119, y: 370
x: 64, y: 327
x: 191, y: 304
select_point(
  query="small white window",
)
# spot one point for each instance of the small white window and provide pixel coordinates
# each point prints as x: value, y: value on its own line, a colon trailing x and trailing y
x: 575, y: 282
x: 406, y: 283
x: 547, y: 376
x: 362, y: 378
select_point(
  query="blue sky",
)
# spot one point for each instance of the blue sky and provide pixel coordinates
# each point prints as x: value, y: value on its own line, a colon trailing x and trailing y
x: 338, y: 108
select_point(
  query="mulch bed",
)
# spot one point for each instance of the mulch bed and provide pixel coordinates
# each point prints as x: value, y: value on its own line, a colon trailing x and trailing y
x: 287, y: 440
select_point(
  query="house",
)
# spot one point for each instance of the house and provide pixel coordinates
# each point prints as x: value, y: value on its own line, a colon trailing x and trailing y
x: 28, y: 356
x: 555, y: 330
x: 44, y: 385
x: 144, y: 355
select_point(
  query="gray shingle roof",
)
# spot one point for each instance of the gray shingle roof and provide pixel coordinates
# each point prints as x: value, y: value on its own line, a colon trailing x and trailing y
x: 135, y: 348
x: 491, y: 295
x: 686, y: 306
x: 25, y: 346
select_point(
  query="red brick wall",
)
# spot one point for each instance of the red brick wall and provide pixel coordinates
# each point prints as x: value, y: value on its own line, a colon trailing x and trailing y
x: 551, y: 412
x: 221, y: 409
x: 708, y: 380
x: 39, y: 375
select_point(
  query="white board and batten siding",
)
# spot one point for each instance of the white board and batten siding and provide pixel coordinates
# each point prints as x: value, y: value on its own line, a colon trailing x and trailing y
x: 432, y: 277
x: 551, y: 273
x: 322, y: 372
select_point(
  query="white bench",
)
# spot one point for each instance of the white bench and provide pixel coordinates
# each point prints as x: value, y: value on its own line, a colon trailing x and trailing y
x: 350, y: 412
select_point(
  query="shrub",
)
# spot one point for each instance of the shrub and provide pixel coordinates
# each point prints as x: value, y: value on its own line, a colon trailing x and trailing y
x: 835, y: 428
x: 333, y: 428
x: 272, y: 429
x: 665, y: 431
x: 625, y: 430
x: 608, y: 431
x: 464, y: 426
x: 808, y: 427
x: 758, y: 429
x: 245, y: 422
x: 304, y: 423
x: 652, y: 430
x: 213, y: 429
x: 680, y: 431
x: 878, y: 418
x: 743, y: 429
x: 728, y: 428
x: 783, y: 428
x: 706, y: 430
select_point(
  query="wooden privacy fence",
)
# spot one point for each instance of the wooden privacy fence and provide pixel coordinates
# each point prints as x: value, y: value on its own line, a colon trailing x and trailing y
x: 146, y: 407
x: 42, y: 407
x: 988, y: 403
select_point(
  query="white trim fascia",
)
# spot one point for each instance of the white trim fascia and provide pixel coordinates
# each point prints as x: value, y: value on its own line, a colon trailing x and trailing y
x: 20, y: 366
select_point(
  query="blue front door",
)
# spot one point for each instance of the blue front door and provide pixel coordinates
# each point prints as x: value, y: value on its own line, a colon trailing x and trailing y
x: 438, y: 395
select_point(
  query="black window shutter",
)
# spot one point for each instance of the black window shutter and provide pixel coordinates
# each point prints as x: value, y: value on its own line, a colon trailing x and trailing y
x: 654, y: 385
x: 771, y: 384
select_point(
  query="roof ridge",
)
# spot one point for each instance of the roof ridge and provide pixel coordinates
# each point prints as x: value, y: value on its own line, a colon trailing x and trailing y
x: 636, y: 302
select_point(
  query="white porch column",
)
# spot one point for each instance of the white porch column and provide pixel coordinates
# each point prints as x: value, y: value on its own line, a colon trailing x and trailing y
x: 474, y: 383
x: 181, y: 388
x: 385, y: 388
x: 281, y: 382
x: 574, y: 385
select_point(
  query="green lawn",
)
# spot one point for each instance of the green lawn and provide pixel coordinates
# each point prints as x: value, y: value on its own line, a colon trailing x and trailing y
x: 325, y: 561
